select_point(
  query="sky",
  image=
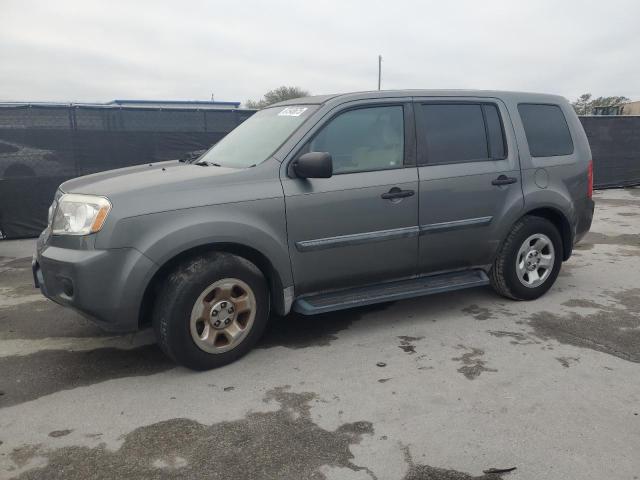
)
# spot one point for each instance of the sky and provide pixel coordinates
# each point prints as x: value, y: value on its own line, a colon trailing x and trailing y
x: 96, y: 51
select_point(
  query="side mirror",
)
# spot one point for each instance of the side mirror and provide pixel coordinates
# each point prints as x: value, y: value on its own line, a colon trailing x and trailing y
x: 314, y: 165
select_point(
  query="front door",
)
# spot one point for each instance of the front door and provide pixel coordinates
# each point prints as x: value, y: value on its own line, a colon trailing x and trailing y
x: 470, y: 187
x: 361, y: 225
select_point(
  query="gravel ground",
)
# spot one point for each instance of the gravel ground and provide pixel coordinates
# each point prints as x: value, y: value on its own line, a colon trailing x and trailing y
x: 438, y: 388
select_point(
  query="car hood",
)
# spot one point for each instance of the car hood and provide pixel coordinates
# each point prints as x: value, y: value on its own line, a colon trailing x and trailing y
x: 172, y: 185
x: 166, y: 175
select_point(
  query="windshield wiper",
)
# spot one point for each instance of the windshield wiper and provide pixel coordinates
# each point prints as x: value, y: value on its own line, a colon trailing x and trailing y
x: 191, y: 157
x: 204, y: 163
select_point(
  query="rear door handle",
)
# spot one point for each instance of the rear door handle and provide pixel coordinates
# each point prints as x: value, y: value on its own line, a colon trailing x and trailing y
x: 395, y: 192
x: 504, y: 180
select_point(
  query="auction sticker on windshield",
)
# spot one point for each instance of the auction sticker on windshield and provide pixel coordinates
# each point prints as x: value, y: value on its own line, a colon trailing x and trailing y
x: 292, y: 111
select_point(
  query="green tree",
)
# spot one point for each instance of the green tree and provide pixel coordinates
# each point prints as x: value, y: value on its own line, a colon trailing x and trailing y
x: 585, y: 103
x: 277, y: 95
x: 582, y: 104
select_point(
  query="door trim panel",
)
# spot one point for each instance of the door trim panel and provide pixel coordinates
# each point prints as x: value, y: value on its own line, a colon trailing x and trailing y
x: 455, y: 225
x: 392, y: 234
x: 357, y: 239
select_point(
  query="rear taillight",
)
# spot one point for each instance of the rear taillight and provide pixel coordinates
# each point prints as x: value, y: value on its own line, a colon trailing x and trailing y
x: 590, y: 179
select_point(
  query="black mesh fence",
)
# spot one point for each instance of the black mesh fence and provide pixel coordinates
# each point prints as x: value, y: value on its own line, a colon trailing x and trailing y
x: 42, y: 146
x: 615, y: 146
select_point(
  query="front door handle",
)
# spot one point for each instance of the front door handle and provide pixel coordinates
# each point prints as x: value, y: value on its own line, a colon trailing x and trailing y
x: 504, y: 180
x: 395, y: 192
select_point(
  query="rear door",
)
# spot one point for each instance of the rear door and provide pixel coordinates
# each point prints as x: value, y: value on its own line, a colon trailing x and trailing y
x: 361, y: 225
x: 470, y: 182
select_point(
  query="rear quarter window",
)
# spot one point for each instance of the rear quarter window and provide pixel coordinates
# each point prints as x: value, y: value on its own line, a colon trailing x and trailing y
x: 546, y: 129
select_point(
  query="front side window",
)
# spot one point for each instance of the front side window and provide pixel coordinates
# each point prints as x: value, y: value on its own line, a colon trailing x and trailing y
x: 365, y: 139
x: 546, y: 129
x: 459, y: 132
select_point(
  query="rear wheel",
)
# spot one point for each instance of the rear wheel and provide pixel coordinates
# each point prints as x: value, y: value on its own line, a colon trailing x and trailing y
x: 529, y: 260
x: 211, y: 310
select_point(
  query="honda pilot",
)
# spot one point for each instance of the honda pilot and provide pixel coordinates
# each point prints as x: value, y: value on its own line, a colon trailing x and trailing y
x: 321, y: 204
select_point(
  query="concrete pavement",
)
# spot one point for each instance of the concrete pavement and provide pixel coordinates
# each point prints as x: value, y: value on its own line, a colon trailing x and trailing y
x: 440, y: 387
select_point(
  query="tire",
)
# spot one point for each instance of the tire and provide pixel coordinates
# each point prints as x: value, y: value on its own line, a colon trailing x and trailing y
x: 206, y: 301
x: 516, y: 266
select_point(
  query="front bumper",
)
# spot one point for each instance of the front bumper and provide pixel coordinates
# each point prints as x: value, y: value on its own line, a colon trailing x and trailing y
x: 107, y: 286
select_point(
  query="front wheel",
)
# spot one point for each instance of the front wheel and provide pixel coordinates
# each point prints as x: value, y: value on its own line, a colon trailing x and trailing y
x: 211, y: 310
x: 529, y: 260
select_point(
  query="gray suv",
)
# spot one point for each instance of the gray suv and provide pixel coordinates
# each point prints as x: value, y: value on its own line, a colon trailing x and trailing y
x: 320, y: 204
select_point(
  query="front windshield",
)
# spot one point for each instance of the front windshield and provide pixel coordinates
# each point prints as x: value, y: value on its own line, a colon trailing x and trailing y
x: 254, y: 140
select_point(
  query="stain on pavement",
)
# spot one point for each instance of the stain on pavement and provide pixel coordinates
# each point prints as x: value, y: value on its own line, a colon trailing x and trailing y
x: 581, y: 303
x: 258, y: 446
x: 302, y: 331
x: 517, y: 338
x: 616, y: 202
x: 479, y: 313
x: 24, y: 378
x: 581, y: 246
x: 629, y: 239
x: 610, y: 329
x: 9, y: 263
x: 407, y: 344
x: 44, y: 320
x: 566, y: 362
x: 426, y: 472
x: 473, y: 364
x: 635, y: 191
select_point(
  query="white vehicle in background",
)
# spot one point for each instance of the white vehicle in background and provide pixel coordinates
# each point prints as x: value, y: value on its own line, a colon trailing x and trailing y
x: 18, y: 160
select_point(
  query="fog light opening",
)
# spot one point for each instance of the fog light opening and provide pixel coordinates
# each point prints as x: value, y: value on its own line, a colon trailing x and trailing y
x: 67, y: 287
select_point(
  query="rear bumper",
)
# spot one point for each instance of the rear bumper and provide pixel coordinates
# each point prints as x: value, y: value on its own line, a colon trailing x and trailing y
x: 106, y: 286
x: 585, y: 217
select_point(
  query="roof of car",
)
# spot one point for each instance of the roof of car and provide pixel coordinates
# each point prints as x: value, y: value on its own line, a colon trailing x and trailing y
x: 342, y: 97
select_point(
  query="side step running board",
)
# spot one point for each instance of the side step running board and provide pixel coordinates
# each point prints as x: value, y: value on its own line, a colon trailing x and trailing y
x: 384, y: 292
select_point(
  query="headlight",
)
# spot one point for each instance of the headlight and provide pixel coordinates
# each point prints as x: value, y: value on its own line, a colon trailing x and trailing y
x: 52, y: 210
x: 79, y: 214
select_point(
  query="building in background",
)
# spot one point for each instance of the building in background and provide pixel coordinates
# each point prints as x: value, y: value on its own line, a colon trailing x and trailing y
x: 607, y: 110
x: 629, y: 108
x: 175, y: 104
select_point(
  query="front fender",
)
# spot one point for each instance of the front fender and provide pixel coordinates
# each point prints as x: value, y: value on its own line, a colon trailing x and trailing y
x: 258, y: 224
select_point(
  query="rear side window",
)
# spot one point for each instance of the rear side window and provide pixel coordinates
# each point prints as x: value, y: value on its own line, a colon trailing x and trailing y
x: 456, y: 133
x: 546, y: 129
x: 494, y: 132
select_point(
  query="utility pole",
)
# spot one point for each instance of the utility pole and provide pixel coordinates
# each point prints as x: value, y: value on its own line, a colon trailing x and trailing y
x: 379, y: 70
